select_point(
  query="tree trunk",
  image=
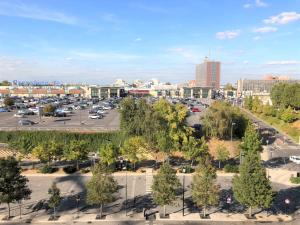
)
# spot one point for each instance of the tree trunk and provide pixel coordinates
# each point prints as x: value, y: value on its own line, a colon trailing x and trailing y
x: 250, y: 211
x: 134, y: 166
x: 101, y: 210
x: 164, y: 210
x: 54, y: 213
x: 8, y: 205
x: 77, y: 164
x: 192, y: 162
x: 204, y: 211
x: 20, y: 210
x: 219, y: 164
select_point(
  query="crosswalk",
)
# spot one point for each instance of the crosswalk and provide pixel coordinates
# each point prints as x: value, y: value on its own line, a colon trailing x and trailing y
x: 149, y: 180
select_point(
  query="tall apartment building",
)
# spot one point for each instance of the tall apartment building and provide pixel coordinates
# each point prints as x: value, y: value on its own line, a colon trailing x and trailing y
x: 208, y: 74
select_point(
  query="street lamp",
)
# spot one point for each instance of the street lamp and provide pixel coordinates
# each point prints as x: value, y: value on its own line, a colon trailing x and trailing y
x: 183, y: 187
x: 77, y: 205
x: 232, y: 124
x: 287, y: 203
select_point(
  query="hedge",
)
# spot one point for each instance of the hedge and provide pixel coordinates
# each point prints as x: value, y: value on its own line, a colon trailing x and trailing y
x: 37, y: 137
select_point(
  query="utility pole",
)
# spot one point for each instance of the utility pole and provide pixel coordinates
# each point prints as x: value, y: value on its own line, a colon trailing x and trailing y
x: 183, y: 187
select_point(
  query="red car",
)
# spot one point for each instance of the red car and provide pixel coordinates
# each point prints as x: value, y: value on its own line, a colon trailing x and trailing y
x: 196, y: 110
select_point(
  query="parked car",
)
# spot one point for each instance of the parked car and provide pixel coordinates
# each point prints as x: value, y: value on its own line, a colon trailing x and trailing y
x: 19, y: 115
x: 295, y: 159
x: 4, y: 110
x: 25, y: 122
x: 95, y: 116
x: 60, y: 114
x: 196, y: 110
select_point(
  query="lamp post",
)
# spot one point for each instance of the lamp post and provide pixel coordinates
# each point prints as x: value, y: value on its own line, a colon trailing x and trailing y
x: 232, y: 124
x: 183, y: 187
x: 77, y: 205
x: 287, y: 203
x: 126, y: 190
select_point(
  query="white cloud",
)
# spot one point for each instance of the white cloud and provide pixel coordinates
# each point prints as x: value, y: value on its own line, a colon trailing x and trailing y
x: 256, y: 3
x: 283, y: 18
x: 245, y: 62
x: 34, y: 12
x: 284, y: 62
x: 185, y: 53
x: 256, y: 38
x: 264, y: 30
x: 111, y: 18
x: 137, y: 39
x: 229, y: 34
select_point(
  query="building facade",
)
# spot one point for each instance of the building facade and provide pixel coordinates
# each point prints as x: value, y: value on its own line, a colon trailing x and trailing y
x: 208, y: 74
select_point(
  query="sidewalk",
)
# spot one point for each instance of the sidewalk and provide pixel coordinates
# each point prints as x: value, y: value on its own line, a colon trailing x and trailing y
x: 226, y: 217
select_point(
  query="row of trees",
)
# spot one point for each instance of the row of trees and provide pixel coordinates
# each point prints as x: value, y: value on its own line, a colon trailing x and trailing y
x: 287, y: 114
x: 285, y: 95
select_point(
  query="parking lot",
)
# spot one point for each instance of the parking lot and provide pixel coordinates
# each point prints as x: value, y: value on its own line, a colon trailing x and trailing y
x: 78, y: 119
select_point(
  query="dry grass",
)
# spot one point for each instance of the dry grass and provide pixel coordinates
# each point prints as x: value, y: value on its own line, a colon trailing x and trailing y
x: 232, y: 147
x: 296, y: 125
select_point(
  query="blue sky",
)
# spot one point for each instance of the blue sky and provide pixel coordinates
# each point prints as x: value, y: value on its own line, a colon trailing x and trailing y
x: 98, y: 41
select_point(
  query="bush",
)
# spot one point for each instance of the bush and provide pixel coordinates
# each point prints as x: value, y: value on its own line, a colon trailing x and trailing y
x: 228, y: 168
x: 288, y: 115
x: 69, y: 169
x: 47, y: 169
x: 295, y: 180
x: 186, y: 169
x: 85, y: 170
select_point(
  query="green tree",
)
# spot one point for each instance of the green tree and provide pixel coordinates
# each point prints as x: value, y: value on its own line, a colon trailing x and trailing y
x: 164, y: 143
x: 77, y: 150
x: 269, y: 110
x: 205, y: 191
x: 218, y: 120
x: 48, y: 151
x: 108, y: 153
x: 9, y: 102
x: 101, y: 188
x: 251, y: 141
x: 288, y: 115
x: 134, y: 149
x: 229, y: 87
x: 55, y: 198
x: 257, y: 105
x: 248, y: 102
x: 222, y: 154
x: 13, y: 186
x: 194, y: 149
x: 284, y: 95
x: 164, y: 187
x: 252, y: 187
x: 5, y: 83
x: 49, y: 108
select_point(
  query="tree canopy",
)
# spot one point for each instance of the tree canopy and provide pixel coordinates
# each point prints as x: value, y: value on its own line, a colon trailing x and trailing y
x: 165, y: 185
x: 13, y: 186
x: 252, y: 187
x: 284, y: 95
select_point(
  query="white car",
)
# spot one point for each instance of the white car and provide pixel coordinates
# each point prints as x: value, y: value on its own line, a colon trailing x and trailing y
x: 19, y: 115
x: 295, y: 159
x: 106, y: 107
x: 95, y: 116
x: 101, y: 112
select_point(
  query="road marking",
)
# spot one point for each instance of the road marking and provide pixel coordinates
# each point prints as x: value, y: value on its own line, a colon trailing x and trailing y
x: 149, y: 180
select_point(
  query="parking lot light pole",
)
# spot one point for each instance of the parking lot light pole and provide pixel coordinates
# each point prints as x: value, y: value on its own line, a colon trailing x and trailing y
x: 232, y: 124
x: 183, y: 187
x: 77, y: 205
x: 287, y: 203
x: 126, y: 193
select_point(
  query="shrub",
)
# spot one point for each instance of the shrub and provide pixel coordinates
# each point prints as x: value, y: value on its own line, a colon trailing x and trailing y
x: 69, y: 169
x: 47, y: 169
x: 85, y: 170
x: 295, y: 180
x: 288, y: 115
x: 228, y: 168
x: 187, y: 168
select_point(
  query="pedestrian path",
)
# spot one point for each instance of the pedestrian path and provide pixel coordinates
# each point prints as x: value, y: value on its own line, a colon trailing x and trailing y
x: 149, y: 179
x: 150, y: 222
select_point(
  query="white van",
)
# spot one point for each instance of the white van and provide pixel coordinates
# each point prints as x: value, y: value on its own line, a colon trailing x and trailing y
x: 295, y: 159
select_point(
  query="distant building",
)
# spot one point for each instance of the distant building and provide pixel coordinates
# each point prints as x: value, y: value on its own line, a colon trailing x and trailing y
x: 260, y: 88
x: 208, y: 74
